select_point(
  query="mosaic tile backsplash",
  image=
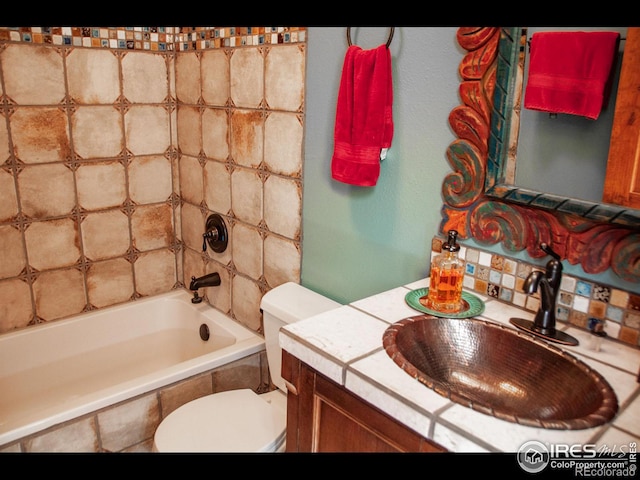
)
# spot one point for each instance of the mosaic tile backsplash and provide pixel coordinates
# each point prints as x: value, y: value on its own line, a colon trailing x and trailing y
x: 159, y: 39
x: 580, y: 302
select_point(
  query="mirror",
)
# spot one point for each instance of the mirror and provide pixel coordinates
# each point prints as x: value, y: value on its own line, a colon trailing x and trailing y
x: 552, y: 148
x: 480, y: 198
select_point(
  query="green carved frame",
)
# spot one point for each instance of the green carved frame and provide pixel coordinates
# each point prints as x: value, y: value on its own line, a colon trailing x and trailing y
x: 480, y: 200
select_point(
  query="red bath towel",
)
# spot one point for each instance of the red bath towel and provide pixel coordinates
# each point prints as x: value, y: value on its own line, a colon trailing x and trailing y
x: 569, y: 72
x: 364, y: 120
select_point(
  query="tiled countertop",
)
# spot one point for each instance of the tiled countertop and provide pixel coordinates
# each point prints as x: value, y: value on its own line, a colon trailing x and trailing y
x: 345, y: 345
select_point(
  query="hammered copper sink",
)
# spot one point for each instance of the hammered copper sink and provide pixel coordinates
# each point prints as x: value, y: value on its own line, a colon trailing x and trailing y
x: 501, y: 371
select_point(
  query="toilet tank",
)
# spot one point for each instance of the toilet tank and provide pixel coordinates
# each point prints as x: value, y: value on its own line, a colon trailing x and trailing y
x: 287, y: 303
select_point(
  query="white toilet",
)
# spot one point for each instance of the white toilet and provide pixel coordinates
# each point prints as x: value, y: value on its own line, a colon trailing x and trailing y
x: 241, y: 420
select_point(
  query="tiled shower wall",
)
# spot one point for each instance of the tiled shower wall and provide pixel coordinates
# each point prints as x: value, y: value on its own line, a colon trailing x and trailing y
x: 115, y: 146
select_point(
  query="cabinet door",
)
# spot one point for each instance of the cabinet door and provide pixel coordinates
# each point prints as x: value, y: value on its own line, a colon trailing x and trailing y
x: 345, y: 423
x: 322, y: 416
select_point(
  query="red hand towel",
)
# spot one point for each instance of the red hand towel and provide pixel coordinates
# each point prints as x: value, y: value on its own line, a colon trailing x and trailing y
x: 364, y: 120
x: 569, y: 72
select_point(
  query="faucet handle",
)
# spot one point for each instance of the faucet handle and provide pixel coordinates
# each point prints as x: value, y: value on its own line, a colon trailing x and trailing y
x: 554, y: 268
x: 549, y: 251
x: 215, y: 234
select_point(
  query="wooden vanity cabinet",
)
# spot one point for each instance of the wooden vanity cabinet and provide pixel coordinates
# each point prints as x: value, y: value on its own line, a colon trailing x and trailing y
x: 324, y: 417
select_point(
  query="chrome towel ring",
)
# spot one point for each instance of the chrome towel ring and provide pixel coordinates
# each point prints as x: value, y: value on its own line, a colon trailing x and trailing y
x: 391, y: 30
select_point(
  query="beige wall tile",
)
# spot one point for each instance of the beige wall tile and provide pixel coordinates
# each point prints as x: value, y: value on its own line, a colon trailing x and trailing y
x: 177, y: 395
x: 179, y: 267
x: 59, y: 293
x: 15, y: 305
x: 149, y: 179
x: 217, y: 187
x: 11, y: 448
x: 189, y: 130
x: 93, y: 76
x: 191, y: 180
x: 12, y: 259
x: 243, y: 373
x: 282, y: 261
x: 193, y: 225
x: 77, y: 437
x: 188, y: 78
x: 105, y: 235
x: 247, y: 77
x: 40, y: 134
x: 215, y: 77
x: 284, y: 77
x: 46, y: 190
x: 97, y: 132
x: 101, y: 185
x: 247, y: 250
x: 192, y: 264
x: 52, y: 243
x: 247, y: 130
x: 147, y: 129
x: 283, y: 206
x: 246, y: 296
x: 215, y: 133
x: 110, y: 282
x: 283, y: 139
x: 4, y: 140
x: 9, y: 203
x: 171, y: 62
x: 144, y: 77
x: 33, y: 75
x: 152, y: 227
x: 177, y: 220
x: 220, y: 296
x: 155, y: 272
x: 175, y: 174
x: 129, y: 423
x: 246, y: 195
x: 142, y: 447
x: 173, y: 118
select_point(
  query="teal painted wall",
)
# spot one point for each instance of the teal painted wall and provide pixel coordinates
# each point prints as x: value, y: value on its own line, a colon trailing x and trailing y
x: 358, y: 241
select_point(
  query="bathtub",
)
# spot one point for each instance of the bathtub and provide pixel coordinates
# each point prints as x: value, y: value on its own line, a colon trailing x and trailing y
x: 58, y: 371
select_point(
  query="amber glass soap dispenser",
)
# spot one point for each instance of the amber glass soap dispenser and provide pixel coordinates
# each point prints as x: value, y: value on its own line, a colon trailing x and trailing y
x: 447, y: 272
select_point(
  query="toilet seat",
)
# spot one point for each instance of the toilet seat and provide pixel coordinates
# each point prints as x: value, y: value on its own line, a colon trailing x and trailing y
x: 232, y: 421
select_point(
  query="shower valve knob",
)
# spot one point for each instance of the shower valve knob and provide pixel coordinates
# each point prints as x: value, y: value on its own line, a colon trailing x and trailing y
x: 215, y: 234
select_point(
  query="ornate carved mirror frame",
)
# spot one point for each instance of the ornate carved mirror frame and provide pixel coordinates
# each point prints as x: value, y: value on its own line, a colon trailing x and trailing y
x: 480, y: 200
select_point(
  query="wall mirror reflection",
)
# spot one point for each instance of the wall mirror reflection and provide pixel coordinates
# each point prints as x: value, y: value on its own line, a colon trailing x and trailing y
x: 554, y: 147
x: 483, y: 200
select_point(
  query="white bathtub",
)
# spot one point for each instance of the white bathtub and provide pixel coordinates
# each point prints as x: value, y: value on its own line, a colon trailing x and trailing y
x: 58, y: 371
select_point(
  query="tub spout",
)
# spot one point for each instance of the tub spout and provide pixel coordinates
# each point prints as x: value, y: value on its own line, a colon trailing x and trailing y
x: 210, y: 280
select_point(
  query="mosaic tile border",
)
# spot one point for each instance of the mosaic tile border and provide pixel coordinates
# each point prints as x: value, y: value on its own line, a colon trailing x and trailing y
x: 155, y: 39
x: 581, y: 302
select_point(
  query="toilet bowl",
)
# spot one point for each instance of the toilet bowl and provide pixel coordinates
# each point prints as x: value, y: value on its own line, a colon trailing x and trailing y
x: 232, y: 421
x: 242, y: 420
